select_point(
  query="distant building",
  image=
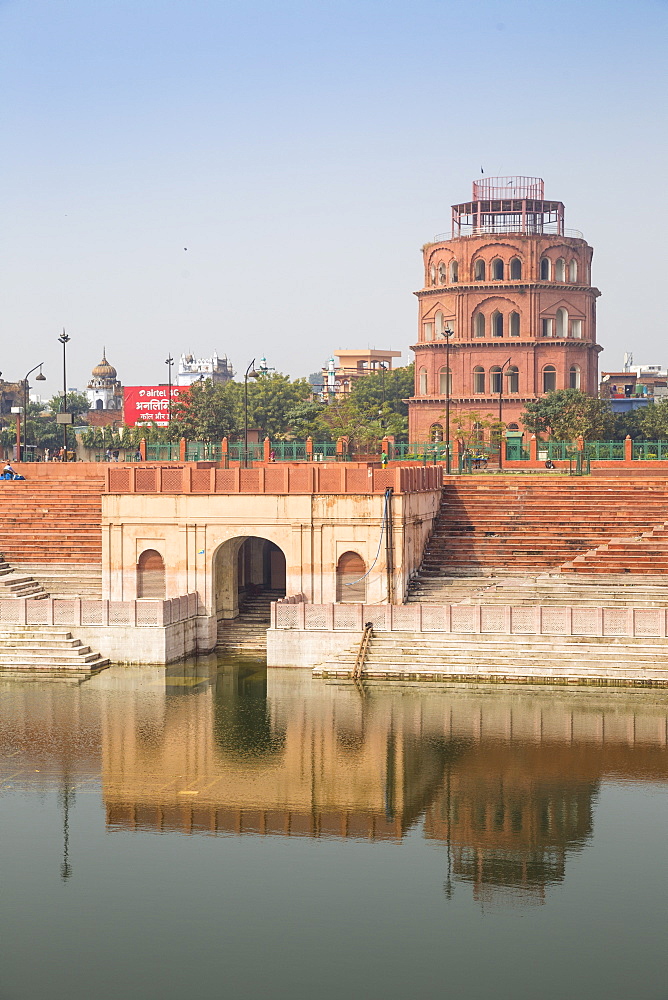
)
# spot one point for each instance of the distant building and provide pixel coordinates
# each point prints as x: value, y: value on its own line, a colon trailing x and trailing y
x: 635, y: 387
x: 105, y: 394
x: 192, y: 369
x: 341, y: 370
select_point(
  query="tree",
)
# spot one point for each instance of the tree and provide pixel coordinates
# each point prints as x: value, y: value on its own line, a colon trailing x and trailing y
x: 367, y: 392
x: 271, y: 398
x: 653, y: 421
x: 470, y: 427
x: 77, y: 404
x: 304, y: 419
x: 568, y: 413
x: 207, y: 412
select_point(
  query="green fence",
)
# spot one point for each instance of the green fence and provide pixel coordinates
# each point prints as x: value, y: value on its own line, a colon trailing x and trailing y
x: 162, y: 451
x: 650, y: 451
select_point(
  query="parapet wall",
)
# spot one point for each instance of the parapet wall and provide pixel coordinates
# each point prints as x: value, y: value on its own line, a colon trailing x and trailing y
x: 318, y: 478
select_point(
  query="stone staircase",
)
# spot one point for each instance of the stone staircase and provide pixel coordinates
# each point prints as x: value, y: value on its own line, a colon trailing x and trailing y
x: 533, y: 659
x: 505, y: 523
x: 247, y: 633
x: 554, y: 590
x: 47, y: 652
x: 15, y: 584
x: 646, y: 553
x: 51, y: 521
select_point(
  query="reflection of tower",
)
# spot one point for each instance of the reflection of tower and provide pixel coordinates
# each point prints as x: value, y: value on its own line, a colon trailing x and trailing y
x: 509, y: 820
x: 511, y: 285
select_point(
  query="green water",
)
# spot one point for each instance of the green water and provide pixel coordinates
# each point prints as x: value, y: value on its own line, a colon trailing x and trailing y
x: 211, y: 831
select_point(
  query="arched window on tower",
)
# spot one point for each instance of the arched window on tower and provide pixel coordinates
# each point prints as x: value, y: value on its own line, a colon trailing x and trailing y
x: 545, y: 269
x: 560, y: 270
x: 549, y: 378
x: 515, y: 269
x: 445, y: 382
x: 479, y: 379
x: 574, y: 377
x: 562, y: 322
x: 442, y: 273
x: 495, y: 377
x: 497, y: 324
x: 573, y: 271
x: 497, y: 269
x: 432, y: 274
x: 454, y: 271
x: 514, y: 324
x: 422, y: 386
x: 436, y: 433
x: 99, y: 404
x: 478, y: 434
x: 479, y: 269
x: 479, y: 325
x: 513, y: 378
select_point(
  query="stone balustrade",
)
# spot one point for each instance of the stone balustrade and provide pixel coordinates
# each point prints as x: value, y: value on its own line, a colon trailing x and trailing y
x: 77, y: 612
x: 637, y: 623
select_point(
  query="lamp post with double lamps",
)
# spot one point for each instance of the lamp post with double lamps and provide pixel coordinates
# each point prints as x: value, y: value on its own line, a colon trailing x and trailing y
x: 26, y: 399
x: 250, y: 373
x: 64, y: 417
x: 447, y: 333
x: 502, y: 372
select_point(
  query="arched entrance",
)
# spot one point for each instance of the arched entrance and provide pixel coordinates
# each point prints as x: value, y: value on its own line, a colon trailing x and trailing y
x: 350, y: 587
x: 247, y: 570
x: 151, y: 575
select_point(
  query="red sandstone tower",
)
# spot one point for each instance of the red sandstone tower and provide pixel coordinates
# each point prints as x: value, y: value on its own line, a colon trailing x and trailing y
x: 507, y: 299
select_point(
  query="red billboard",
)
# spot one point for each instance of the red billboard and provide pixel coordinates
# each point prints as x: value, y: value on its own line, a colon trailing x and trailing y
x: 149, y: 404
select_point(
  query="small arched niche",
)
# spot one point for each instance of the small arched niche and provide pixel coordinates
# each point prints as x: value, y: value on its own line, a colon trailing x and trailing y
x: 436, y: 433
x: 549, y: 378
x: 515, y: 269
x: 151, y: 575
x: 350, y: 587
x: 479, y: 270
x: 545, y: 269
x: 497, y: 269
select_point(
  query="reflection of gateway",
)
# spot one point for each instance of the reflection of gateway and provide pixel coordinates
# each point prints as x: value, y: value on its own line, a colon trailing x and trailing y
x: 507, y: 780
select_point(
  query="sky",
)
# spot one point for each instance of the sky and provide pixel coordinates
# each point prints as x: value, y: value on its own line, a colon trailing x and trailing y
x: 258, y: 178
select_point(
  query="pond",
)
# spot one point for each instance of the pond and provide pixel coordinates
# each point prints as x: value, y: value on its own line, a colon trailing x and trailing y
x: 214, y: 829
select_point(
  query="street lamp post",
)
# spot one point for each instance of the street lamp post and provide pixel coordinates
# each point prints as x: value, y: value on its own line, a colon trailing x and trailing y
x: 64, y: 340
x: 26, y: 390
x: 169, y: 362
x: 501, y: 374
x: 447, y: 333
x: 250, y: 373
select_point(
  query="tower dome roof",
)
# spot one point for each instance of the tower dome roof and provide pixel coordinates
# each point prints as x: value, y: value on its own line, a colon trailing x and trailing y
x: 104, y: 369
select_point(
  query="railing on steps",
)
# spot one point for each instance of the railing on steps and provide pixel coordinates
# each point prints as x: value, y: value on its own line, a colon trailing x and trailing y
x: 362, y: 651
x: 80, y: 611
x: 475, y: 619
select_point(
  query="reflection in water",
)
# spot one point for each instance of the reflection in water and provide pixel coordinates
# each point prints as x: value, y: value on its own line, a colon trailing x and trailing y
x: 505, y: 780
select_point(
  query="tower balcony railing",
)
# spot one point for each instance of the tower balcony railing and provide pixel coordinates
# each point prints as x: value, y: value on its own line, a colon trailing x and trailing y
x: 508, y: 229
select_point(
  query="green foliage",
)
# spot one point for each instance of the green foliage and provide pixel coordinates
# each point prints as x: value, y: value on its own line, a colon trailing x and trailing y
x: 470, y: 428
x: 305, y: 419
x: 210, y: 411
x: 568, y: 413
x: 653, y: 421
x: 629, y: 425
x: 77, y: 404
x: 367, y: 392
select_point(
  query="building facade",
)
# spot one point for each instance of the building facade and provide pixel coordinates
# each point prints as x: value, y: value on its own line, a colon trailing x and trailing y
x: 507, y: 311
x: 192, y: 369
x: 105, y: 395
x: 341, y: 371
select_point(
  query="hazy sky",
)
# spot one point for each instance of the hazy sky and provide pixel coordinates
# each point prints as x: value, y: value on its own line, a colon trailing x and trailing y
x: 303, y: 152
